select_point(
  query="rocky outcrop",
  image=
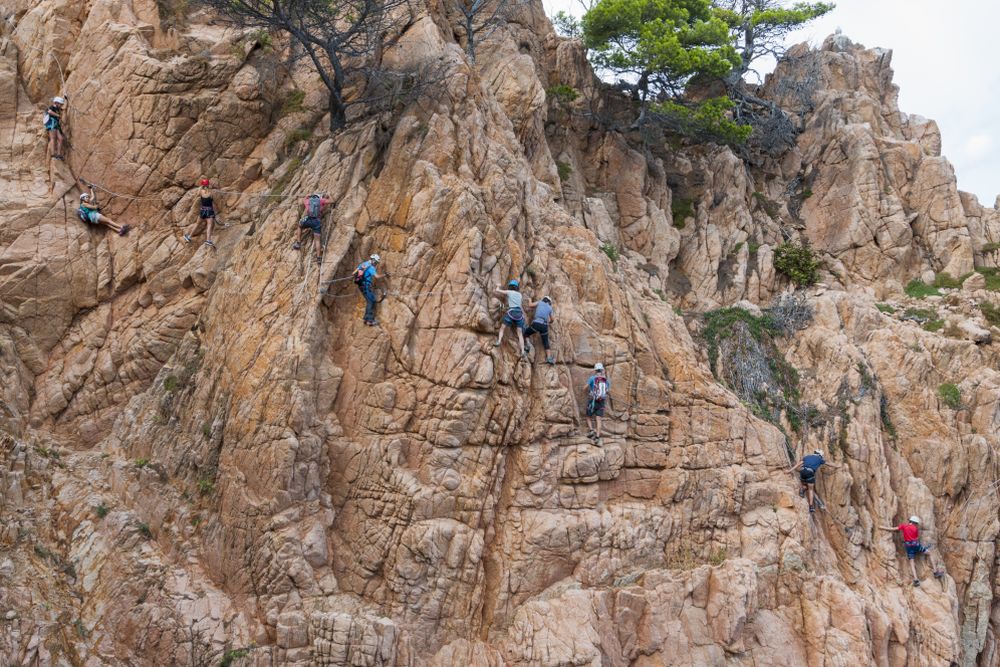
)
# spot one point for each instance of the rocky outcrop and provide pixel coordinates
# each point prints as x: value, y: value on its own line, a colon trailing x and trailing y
x: 208, y: 458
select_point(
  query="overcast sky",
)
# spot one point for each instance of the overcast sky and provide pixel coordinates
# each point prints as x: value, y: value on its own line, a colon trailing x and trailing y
x: 944, y: 58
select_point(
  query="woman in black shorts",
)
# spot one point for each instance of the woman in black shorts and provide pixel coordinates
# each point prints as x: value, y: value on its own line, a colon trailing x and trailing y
x: 206, y: 212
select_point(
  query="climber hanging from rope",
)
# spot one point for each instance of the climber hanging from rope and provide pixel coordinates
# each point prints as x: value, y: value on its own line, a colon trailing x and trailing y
x: 514, y: 316
x: 89, y: 212
x: 52, y: 119
x: 540, y: 325
x: 598, y: 392
x: 206, y: 214
x: 807, y: 468
x: 364, y: 277
x: 911, y: 541
x: 314, y: 205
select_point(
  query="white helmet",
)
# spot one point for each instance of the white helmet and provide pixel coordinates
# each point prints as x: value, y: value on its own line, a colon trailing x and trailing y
x: 598, y: 366
x: 915, y: 519
x: 547, y: 300
x: 375, y: 258
x: 818, y: 452
x: 84, y: 196
x: 58, y: 100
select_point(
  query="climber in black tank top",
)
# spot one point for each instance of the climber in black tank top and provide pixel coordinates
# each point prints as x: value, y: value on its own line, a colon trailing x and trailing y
x: 206, y: 212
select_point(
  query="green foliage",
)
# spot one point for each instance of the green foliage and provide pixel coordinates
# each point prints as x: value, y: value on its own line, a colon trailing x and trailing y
x: 885, y: 308
x: 719, y: 325
x: 798, y: 262
x: 681, y: 208
x: 887, y: 424
x: 944, y: 280
x: 206, y: 429
x: 769, y: 205
x: 172, y: 12
x: 752, y: 247
x: 170, y: 383
x: 918, y: 289
x: 706, y: 121
x: 662, y: 43
x: 611, y: 251
x: 232, y: 655
x: 282, y: 183
x: 992, y: 276
x: 737, y: 247
x: 206, y: 487
x: 806, y: 194
x: 932, y: 325
x: 141, y: 463
x: 101, y: 510
x: 660, y: 293
x: 950, y: 395
x: 990, y: 312
x: 990, y: 247
x: 293, y: 103
x: 562, y: 94
x: 566, y: 24
x: 564, y: 169
x: 920, y: 314
x: 759, y: 28
x: 297, y: 135
x: 717, y: 557
x: 261, y: 37
x: 145, y: 531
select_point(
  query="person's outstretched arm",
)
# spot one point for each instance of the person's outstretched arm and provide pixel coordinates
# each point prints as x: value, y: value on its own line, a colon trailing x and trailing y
x: 889, y: 528
x: 795, y: 467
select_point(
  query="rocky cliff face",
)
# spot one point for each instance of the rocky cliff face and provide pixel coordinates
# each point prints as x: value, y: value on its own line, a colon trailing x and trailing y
x: 208, y: 458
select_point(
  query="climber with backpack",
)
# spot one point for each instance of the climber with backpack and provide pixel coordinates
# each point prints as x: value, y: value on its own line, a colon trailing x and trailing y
x: 314, y: 205
x: 514, y: 315
x: 540, y: 325
x: 90, y: 212
x: 52, y: 120
x: 598, y: 388
x: 364, y: 277
x: 807, y: 468
x: 911, y: 541
x: 206, y: 213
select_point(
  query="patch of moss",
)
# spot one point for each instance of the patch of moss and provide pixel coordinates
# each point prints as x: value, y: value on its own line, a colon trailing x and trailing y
x: 611, y: 251
x: 918, y: 289
x: 885, y: 308
x: 992, y: 276
x: 945, y: 281
x: 564, y: 169
x: 681, y: 208
x: 990, y: 312
x: 950, y: 395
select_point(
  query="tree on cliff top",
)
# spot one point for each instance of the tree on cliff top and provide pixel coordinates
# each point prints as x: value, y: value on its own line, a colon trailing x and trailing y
x: 344, y: 39
x: 657, y: 47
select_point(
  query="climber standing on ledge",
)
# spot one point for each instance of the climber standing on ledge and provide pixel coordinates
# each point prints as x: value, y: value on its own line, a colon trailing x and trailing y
x: 598, y: 388
x: 53, y: 125
x: 807, y: 468
x: 364, y: 278
x: 514, y: 316
x: 314, y: 204
x: 89, y: 212
x: 540, y: 325
x: 911, y: 541
x: 206, y: 212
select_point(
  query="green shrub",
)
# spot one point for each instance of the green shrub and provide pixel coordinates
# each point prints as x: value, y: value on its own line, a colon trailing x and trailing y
x: 295, y: 136
x: 752, y: 247
x: 990, y: 312
x: 170, y: 382
x: 101, y: 510
x: 206, y: 487
x: 234, y: 654
x: 660, y: 293
x: 681, y: 208
x: 950, y: 395
x: 707, y: 121
x: 885, y: 308
x: 564, y: 169
x: 293, y: 103
x: 933, y: 325
x: 990, y: 247
x: 944, y: 280
x: 918, y: 289
x: 992, y: 276
x: 737, y: 247
x: 798, y: 262
x: 611, y: 251
x: 145, y: 531
x: 141, y: 463
x: 562, y: 94
x: 566, y: 25
x: 717, y: 557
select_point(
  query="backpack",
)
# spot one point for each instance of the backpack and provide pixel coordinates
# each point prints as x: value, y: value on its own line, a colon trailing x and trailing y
x: 45, y: 118
x: 359, y: 273
x: 600, y: 389
x: 315, y: 206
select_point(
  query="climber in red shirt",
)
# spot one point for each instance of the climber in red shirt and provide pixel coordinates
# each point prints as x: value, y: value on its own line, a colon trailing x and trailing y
x: 911, y: 540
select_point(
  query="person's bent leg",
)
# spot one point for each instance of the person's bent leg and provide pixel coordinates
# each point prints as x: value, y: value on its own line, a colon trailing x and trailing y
x: 600, y: 427
x: 209, y: 226
x: 809, y: 495
x: 520, y: 339
x: 59, y: 141
x: 317, y: 250
x: 913, y: 568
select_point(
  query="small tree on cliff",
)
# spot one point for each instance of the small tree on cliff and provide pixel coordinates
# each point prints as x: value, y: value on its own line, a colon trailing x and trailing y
x: 657, y: 47
x: 344, y: 39
x: 481, y: 18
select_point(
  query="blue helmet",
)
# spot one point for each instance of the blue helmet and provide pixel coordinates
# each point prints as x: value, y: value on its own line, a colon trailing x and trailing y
x: 513, y: 283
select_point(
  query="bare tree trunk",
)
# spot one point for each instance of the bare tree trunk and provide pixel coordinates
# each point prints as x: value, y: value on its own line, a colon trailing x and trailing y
x: 338, y: 112
x: 470, y: 40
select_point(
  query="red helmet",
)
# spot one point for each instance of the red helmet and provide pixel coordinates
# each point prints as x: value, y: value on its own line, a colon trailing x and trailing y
x: 203, y: 182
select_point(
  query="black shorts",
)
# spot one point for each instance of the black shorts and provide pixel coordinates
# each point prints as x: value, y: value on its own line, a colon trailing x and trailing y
x: 542, y: 329
x: 807, y: 476
x: 206, y: 212
x: 312, y: 223
x: 595, y: 408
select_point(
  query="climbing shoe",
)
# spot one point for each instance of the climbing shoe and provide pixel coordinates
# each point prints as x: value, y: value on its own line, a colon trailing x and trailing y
x: 812, y: 510
x: 550, y: 361
x: 187, y: 238
x: 125, y: 230
x: 938, y: 574
x: 496, y: 343
x: 916, y: 582
x: 802, y: 493
x: 210, y: 244
x: 296, y: 245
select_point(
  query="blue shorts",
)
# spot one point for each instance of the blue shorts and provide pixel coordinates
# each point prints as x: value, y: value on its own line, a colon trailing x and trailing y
x: 514, y: 317
x: 206, y: 212
x: 312, y: 223
x: 53, y: 124
x: 914, y: 549
x: 595, y: 408
x: 91, y: 215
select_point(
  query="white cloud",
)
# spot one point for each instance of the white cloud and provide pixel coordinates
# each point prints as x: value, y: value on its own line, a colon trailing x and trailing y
x: 977, y: 146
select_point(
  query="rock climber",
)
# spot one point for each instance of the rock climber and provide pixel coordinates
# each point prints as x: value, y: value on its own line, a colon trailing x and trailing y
x: 89, y: 212
x: 314, y: 205
x: 206, y: 213
x: 598, y: 388
x: 514, y: 316
x: 807, y: 468
x: 540, y: 325
x: 364, y: 277
x: 911, y: 541
x: 53, y: 125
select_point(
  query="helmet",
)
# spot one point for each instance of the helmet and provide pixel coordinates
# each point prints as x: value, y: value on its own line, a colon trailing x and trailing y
x: 915, y: 519
x: 58, y: 100
x: 317, y: 194
x: 203, y: 182
x: 513, y: 283
x: 598, y: 366
x: 84, y: 196
x: 818, y: 452
x: 375, y: 258
x: 546, y: 299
